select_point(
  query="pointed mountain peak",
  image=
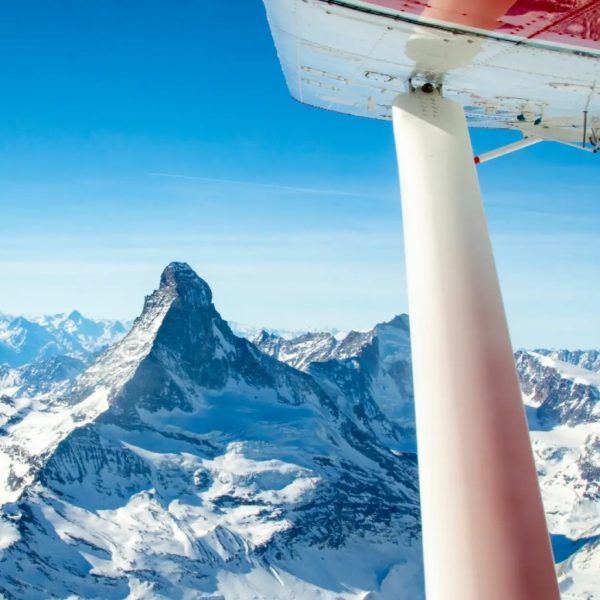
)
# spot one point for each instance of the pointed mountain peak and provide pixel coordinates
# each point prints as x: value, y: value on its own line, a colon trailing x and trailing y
x: 182, y: 280
x: 75, y: 316
x: 25, y: 323
x: 264, y: 336
x: 399, y: 321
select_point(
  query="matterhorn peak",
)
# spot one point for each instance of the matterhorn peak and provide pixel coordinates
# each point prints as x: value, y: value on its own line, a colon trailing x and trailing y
x: 185, y: 283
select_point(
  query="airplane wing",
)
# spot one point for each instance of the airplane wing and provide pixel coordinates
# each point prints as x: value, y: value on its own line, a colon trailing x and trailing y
x: 530, y: 65
x: 434, y: 68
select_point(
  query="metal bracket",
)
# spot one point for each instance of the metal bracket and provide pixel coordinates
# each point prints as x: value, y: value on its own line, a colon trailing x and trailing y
x: 425, y: 84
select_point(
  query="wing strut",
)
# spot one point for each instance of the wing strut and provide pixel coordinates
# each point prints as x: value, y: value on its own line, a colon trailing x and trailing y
x: 484, y: 531
x: 504, y: 150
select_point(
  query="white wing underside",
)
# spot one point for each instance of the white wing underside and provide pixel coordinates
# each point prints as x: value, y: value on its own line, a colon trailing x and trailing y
x: 345, y: 60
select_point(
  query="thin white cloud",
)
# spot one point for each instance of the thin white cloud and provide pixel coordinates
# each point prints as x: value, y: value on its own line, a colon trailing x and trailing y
x: 272, y: 186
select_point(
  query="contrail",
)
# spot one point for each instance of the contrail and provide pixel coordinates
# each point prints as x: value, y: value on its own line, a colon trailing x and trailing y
x: 272, y: 186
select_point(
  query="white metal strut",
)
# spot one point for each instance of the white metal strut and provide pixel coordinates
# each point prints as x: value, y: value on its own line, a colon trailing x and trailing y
x: 484, y: 531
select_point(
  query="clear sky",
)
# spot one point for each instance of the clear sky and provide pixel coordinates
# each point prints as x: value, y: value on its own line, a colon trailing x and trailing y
x: 134, y: 133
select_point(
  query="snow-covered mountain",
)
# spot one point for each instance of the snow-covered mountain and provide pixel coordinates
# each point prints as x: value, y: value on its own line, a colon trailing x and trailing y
x: 251, y: 331
x: 563, y: 405
x: 28, y: 340
x: 562, y: 397
x: 369, y: 374
x: 36, y: 378
x: 564, y: 394
x: 586, y: 359
x: 186, y: 463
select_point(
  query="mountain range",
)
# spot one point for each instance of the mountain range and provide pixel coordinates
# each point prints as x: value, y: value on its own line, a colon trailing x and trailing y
x: 29, y: 340
x: 186, y: 461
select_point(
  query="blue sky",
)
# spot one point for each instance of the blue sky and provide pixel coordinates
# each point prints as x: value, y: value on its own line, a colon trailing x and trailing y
x: 135, y: 133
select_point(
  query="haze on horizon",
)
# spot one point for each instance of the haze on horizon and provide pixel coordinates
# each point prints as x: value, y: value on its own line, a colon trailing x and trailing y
x: 160, y: 135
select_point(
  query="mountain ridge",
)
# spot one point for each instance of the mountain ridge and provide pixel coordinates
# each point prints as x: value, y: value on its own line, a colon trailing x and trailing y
x: 28, y: 340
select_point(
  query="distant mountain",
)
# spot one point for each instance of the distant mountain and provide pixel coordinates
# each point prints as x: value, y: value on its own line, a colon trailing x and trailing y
x: 586, y: 359
x: 27, y: 340
x: 250, y: 331
x: 186, y: 463
x: 38, y: 378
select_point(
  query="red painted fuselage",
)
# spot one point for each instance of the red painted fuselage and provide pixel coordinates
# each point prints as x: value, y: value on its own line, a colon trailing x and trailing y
x: 573, y: 23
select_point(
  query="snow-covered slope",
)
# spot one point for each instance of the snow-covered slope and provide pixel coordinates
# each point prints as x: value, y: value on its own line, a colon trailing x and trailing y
x: 24, y: 341
x: 186, y: 463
